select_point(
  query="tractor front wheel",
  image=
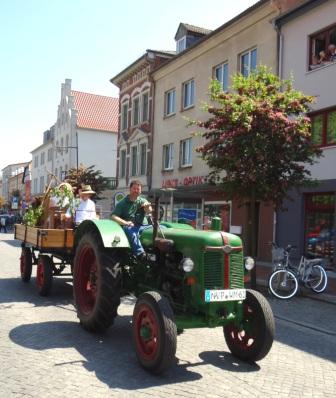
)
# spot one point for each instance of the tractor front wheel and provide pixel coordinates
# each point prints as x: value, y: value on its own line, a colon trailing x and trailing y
x: 44, y: 275
x: 252, y: 338
x: 154, y: 332
x: 96, y: 281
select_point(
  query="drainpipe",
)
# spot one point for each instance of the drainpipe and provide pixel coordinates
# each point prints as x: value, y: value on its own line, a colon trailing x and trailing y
x: 280, y: 41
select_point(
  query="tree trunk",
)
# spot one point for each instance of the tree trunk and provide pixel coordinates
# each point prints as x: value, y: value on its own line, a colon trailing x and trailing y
x: 253, y: 238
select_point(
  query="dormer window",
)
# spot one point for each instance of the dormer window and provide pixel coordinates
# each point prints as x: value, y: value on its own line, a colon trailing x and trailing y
x: 181, y: 44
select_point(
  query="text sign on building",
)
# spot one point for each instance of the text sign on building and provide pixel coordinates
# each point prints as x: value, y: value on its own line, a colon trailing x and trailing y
x: 183, y: 182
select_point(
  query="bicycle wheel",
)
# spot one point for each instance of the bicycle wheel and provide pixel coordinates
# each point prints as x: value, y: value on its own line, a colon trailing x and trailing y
x: 317, y: 279
x: 283, y: 284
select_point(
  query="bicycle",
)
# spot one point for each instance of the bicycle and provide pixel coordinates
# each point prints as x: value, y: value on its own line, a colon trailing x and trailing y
x: 285, y: 279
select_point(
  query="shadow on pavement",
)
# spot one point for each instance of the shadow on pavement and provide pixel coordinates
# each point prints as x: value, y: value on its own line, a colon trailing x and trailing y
x: 14, y: 290
x: 111, y: 356
x: 9, y: 240
x: 226, y: 361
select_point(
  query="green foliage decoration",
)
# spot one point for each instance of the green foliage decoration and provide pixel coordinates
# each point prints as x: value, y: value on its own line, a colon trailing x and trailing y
x: 33, y: 216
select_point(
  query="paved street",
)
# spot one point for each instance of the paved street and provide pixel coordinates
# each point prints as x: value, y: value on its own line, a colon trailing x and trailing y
x: 45, y: 353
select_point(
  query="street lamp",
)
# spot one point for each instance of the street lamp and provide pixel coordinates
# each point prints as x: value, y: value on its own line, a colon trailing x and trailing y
x: 61, y: 148
x: 171, y: 190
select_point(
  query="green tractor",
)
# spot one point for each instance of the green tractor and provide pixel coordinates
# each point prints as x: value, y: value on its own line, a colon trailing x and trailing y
x: 189, y: 279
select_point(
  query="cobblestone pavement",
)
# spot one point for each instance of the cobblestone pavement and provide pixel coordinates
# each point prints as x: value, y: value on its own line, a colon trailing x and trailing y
x: 45, y: 353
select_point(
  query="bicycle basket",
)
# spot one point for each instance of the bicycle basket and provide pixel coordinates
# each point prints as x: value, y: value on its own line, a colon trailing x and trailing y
x: 278, y: 254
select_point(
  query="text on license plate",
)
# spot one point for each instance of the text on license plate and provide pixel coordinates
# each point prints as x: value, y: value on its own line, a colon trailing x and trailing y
x: 224, y: 295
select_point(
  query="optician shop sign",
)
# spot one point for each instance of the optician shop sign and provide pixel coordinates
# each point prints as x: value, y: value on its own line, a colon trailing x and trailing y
x: 183, y: 182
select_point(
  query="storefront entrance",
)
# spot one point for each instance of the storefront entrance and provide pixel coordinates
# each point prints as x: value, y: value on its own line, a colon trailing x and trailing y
x: 217, y: 209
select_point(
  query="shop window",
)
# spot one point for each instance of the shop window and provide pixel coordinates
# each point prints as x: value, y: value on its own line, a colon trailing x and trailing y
x: 217, y: 209
x: 322, y: 47
x: 323, y: 127
x: 320, y: 225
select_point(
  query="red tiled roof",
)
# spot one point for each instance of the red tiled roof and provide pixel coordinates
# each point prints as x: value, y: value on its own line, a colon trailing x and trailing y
x: 96, y: 112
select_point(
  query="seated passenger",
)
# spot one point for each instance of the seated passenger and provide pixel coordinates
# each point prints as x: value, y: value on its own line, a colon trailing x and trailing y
x: 86, y: 209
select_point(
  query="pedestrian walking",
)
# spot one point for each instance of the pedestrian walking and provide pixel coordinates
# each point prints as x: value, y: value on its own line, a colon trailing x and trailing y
x: 3, y: 224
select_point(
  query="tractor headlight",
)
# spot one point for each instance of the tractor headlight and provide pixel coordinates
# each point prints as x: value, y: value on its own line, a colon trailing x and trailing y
x: 249, y: 263
x: 187, y: 264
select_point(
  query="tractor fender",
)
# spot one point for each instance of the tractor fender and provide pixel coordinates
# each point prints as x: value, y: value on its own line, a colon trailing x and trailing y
x: 111, y: 233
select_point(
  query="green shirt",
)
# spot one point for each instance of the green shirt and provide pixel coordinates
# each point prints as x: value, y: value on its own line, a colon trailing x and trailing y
x: 131, y: 211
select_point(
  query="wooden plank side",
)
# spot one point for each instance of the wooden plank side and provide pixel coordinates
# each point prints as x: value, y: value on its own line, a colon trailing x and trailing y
x: 26, y: 234
x: 45, y: 238
x: 55, y: 238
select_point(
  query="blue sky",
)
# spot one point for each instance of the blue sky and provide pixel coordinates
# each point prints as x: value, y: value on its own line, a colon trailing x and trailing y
x: 43, y: 42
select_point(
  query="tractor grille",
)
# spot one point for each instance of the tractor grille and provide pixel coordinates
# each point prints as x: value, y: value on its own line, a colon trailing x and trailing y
x: 214, y: 270
x: 236, y: 270
x: 213, y: 266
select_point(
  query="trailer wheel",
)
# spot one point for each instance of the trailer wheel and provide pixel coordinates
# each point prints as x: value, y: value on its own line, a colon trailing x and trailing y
x: 26, y: 264
x: 154, y: 332
x: 97, y: 280
x: 253, y: 338
x: 44, y: 275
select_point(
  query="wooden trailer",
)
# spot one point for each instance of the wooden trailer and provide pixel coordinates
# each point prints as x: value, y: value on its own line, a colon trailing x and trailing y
x: 50, y: 249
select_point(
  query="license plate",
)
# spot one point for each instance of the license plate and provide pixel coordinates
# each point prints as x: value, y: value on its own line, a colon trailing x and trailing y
x: 224, y: 295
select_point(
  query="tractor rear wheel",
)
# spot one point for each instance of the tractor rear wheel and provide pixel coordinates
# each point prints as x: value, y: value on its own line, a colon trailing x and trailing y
x: 252, y: 339
x: 44, y: 275
x: 154, y: 332
x: 26, y: 263
x: 96, y: 281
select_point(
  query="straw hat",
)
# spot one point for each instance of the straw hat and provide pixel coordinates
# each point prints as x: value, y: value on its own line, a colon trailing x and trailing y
x: 66, y: 185
x: 87, y: 189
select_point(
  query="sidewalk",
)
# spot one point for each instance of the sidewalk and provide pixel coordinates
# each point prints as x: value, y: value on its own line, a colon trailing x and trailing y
x: 264, y: 271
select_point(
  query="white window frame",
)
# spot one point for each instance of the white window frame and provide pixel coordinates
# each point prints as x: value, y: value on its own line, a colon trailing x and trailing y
x: 222, y: 75
x: 170, y: 102
x: 49, y: 155
x: 133, y: 172
x: 144, y: 117
x: 181, y: 44
x: 124, y: 116
x: 249, y: 68
x: 142, y: 162
x: 136, y: 113
x: 188, y: 89
x: 41, y: 184
x: 35, y: 185
x: 170, y: 164
x: 186, y: 152
x: 122, y: 167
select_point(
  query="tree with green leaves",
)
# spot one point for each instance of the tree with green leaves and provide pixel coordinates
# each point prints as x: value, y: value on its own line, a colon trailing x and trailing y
x: 88, y: 176
x: 258, y: 141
